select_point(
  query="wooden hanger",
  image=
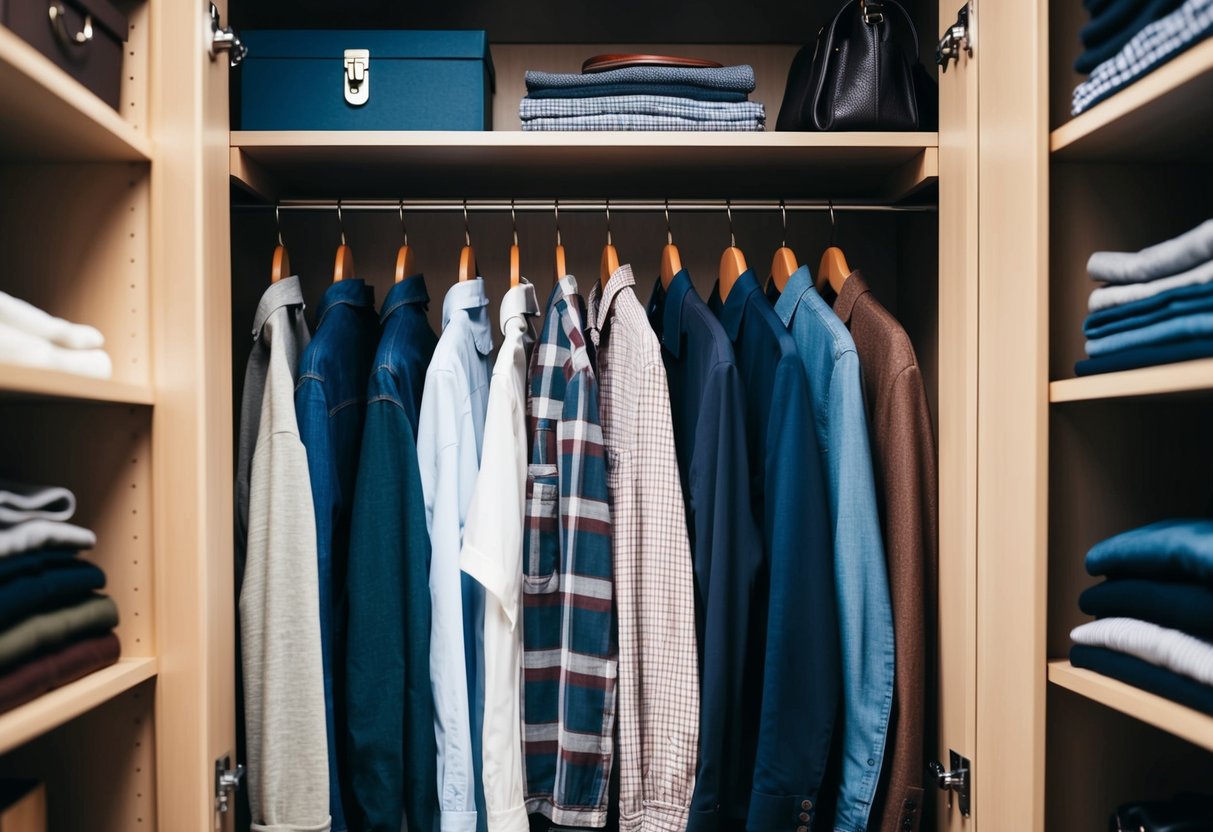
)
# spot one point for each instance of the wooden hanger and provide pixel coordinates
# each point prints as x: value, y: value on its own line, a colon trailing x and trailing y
x: 404, y: 257
x: 784, y: 263
x: 732, y: 262
x: 671, y: 261
x: 343, y: 263
x: 467, y: 257
x: 515, y: 267
x: 610, y: 257
x: 282, y: 261
x: 561, y: 269
x: 833, y: 269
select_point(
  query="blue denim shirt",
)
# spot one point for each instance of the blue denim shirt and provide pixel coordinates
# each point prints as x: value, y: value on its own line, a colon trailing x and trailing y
x: 330, y: 402
x: 865, y: 614
x: 389, y: 706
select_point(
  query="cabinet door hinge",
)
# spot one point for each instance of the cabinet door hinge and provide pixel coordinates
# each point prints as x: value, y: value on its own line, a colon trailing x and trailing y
x: 958, y: 38
x: 957, y: 779
x: 227, y: 782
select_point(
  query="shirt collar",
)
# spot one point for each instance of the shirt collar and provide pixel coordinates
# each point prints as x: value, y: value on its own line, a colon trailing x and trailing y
x: 665, y: 311
x: 731, y: 310
x: 286, y: 292
x: 853, y: 289
x: 519, y: 302
x: 410, y: 290
x: 352, y: 292
x: 788, y: 302
x: 468, y: 296
x: 619, y: 280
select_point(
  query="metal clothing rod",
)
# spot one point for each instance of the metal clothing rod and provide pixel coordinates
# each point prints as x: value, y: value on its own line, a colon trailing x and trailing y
x: 599, y: 206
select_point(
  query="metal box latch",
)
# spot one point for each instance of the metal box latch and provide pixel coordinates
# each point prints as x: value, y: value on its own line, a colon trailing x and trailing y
x: 357, y: 76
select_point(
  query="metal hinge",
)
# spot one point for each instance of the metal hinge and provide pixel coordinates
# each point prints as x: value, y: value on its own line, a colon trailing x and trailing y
x: 958, y: 780
x: 224, y: 39
x: 227, y: 782
x: 357, y: 76
x: 957, y: 39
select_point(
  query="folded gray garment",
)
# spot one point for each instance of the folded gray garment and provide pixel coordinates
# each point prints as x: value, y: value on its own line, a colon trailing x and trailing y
x: 624, y: 123
x: 641, y: 105
x: 1106, y: 297
x: 20, y: 502
x: 48, y: 630
x: 1187, y: 251
x: 44, y: 534
x: 734, y: 78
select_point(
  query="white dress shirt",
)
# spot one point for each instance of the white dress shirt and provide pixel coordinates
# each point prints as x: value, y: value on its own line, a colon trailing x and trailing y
x: 450, y: 431
x: 492, y: 554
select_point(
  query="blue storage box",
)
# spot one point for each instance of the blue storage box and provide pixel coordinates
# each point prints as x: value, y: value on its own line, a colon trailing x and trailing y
x: 351, y: 79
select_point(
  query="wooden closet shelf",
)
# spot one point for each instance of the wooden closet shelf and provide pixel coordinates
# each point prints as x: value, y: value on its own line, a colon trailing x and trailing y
x: 30, y: 382
x: 1183, y: 378
x: 504, y: 164
x: 61, y: 705
x: 1160, y: 117
x: 1181, y: 721
x: 50, y: 116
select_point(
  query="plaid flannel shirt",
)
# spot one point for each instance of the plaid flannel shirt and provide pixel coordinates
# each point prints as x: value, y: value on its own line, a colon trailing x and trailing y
x: 569, y: 650
x: 655, y: 593
x: 643, y: 123
x: 1153, y: 46
x: 641, y: 105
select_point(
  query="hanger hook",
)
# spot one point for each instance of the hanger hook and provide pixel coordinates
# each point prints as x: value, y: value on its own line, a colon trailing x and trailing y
x: 608, y: 219
x: 556, y: 210
x: 403, y: 227
x: 783, y: 211
x: 833, y: 224
x: 278, y: 223
x: 514, y: 222
x: 340, y: 222
x: 669, y: 235
x: 467, y: 234
x: 728, y: 207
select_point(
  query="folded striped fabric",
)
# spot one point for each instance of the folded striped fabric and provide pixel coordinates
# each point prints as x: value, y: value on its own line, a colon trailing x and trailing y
x: 1153, y: 46
x: 732, y: 78
x: 641, y: 105
x: 624, y: 122
x: 675, y: 90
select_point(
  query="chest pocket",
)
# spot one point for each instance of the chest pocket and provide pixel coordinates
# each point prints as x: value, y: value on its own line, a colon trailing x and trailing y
x: 542, y: 548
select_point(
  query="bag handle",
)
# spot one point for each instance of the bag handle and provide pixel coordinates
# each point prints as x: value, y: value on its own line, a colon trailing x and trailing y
x: 880, y: 4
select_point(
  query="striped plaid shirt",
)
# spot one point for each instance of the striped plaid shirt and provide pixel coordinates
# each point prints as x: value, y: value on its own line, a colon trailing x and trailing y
x: 655, y: 594
x: 569, y: 650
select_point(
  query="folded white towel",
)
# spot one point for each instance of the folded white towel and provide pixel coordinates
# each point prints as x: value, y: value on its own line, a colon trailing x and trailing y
x: 44, y: 534
x: 19, y: 347
x: 20, y: 501
x: 32, y: 320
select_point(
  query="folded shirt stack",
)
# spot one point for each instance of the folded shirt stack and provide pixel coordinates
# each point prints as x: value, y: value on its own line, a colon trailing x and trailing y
x: 643, y: 98
x: 1127, y: 39
x: 1154, y: 611
x: 1156, y: 306
x: 55, y: 627
x: 32, y: 338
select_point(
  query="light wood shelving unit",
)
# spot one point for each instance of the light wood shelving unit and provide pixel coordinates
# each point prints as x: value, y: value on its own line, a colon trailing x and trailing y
x: 1183, y: 378
x: 29, y: 382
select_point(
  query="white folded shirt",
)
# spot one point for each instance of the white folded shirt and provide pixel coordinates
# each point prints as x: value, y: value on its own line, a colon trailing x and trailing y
x: 43, y: 534
x: 1171, y: 649
x: 33, y: 321
x: 20, y: 502
x: 19, y: 347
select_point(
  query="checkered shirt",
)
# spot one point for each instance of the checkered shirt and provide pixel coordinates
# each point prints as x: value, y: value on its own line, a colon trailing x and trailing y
x: 1153, y: 46
x: 642, y: 105
x: 642, y: 123
x: 655, y: 596
x: 569, y: 649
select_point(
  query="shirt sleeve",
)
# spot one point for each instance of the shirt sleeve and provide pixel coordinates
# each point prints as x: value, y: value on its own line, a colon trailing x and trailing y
x: 865, y: 619
x: 801, y: 668
x: 728, y: 552
x: 389, y: 705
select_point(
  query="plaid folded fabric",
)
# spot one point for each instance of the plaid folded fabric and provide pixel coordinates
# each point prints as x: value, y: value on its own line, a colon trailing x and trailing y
x: 641, y: 105
x: 732, y: 78
x: 1153, y: 46
x: 642, y: 123
x: 676, y: 90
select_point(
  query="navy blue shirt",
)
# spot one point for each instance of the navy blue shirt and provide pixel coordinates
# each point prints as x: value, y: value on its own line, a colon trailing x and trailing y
x: 794, y: 604
x: 707, y: 405
x: 389, y: 706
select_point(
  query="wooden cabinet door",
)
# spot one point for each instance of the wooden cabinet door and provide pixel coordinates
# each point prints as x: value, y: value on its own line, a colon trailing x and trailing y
x: 192, y: 422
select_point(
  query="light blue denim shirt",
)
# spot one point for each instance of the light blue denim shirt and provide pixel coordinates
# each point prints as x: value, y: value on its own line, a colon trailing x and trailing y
x: 449, y: 437
x: 865, y: 617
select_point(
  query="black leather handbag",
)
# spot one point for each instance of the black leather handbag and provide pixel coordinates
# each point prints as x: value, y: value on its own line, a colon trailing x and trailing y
x: 1185, y: 813
x: 859, y: 75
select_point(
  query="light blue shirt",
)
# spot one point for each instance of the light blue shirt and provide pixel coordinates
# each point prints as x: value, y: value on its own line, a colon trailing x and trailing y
x: 450, y: 432
x: 865, y: 617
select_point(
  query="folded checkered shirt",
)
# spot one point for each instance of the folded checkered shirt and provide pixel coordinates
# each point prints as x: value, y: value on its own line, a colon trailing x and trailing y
x: 641, y: 123
x: 734, y: 78
x: 642, y: 105
x: 1153, y: 46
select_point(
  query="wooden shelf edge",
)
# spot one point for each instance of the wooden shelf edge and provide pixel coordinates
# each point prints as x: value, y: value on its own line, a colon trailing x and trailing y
x: 49, y: 711
x: 40, y: 78
x: 1166, y: 379
x: 32, y: 382
x: 1183, y: 722
x: 1067, y: 139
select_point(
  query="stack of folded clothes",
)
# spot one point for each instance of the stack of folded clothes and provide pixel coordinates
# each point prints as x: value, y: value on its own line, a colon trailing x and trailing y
x: 32, y: 338
x: 1127, y: 39
x: 1157, y: 306
x: 643, y: 98
x: 54, y: 626
x: 1154, y: 611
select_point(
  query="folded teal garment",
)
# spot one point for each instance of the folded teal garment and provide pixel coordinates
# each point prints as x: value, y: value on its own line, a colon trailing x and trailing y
x: 1168, y: 331
x: 1136, y: 314
x: 1150, y: 356
x: 1174, y: 549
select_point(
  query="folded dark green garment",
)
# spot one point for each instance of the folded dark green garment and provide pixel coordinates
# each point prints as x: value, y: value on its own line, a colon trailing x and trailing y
x: 52, y: 586
x: 47, y: 631
x: 37, y: 676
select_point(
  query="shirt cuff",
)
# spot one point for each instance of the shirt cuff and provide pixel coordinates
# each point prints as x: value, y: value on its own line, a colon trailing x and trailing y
x: 781, y: 813
x: 509, y: 820
x: 483, y: 569
x: 457, y: 821
x: 292, y: 827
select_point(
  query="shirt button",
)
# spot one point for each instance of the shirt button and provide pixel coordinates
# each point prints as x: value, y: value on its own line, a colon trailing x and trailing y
x: 804, y: 817
x: 907, y: 823
x: 802, y: 829
x: 806, y: 804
